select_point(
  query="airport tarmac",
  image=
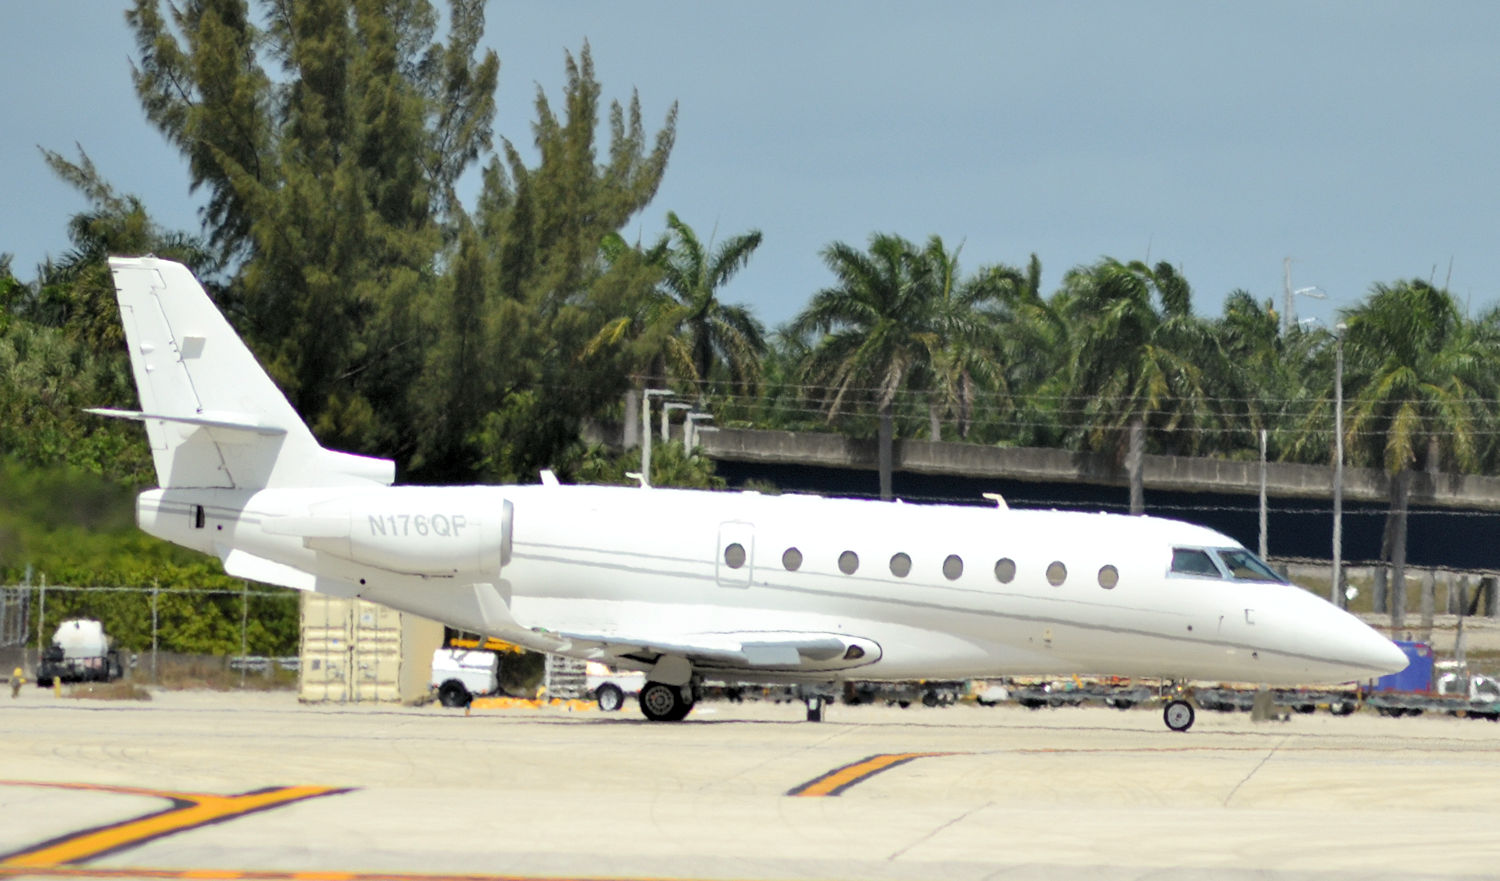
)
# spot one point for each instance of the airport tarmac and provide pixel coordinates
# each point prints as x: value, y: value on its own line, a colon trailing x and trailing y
x: 258, y: 786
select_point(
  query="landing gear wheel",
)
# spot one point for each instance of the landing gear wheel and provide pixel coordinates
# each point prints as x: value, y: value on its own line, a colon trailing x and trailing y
x: 1179, y: 715
x: 610, y: 697
x: 664, y: 703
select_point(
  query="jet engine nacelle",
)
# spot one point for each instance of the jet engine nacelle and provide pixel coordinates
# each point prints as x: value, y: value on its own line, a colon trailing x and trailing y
x: 413, y: 533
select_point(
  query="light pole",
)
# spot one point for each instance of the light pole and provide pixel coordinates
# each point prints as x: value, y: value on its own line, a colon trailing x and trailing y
x: 1264, y: 545
x: 1337, y: 591
x: 666, y: 414
x: 1314, y: 292
x: 692, y: 428
x: 646, y: 396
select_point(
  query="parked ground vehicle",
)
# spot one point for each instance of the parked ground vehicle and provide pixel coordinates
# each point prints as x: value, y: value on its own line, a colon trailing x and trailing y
x: 459, y: 674
x: 1428, y: 685
x: 80, y: 652
x: 904, y: 694
x: 611, y: 687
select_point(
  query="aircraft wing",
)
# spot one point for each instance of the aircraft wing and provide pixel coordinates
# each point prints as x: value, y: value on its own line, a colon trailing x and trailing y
x: 766, y: 651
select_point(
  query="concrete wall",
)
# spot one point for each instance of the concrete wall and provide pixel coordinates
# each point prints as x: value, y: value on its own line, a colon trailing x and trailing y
x: 1043, y: 465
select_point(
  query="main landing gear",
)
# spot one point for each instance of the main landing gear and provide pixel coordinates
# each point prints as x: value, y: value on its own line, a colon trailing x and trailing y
x: 666, y: 703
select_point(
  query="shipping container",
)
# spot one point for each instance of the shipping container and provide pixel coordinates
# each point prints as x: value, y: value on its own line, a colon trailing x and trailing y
x: 355, y: 651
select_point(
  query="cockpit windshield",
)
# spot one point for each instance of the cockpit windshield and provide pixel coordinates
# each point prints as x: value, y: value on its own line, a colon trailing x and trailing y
x: 1237, y: 564
x: 1245, y: 566
x: 1194, y: 561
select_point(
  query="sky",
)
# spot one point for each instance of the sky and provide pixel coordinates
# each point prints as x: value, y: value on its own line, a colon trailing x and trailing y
x: 1360, y: 139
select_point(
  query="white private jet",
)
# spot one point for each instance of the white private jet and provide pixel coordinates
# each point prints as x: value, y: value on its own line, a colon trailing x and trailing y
x: 690, y: 584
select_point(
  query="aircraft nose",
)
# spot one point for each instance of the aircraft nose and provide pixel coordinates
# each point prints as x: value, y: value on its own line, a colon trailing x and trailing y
x: 1352, y: 648
x: 1385, y: 656
x: 1363, y: 648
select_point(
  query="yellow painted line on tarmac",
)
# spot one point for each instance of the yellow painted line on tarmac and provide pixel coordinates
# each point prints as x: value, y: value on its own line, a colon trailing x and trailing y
x: 89, y: 872
x: 189, y: 810
x: 839, y: 779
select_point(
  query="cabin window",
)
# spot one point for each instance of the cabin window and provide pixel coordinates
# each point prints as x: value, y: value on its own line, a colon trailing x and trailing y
x: 1109, y: 576
x: 1245, y: 566
x: 848, y: 562
x: 791, y: 559
x: 1005, y: 570
x: 900, y: 565
x: 734, y: 555
x: 1057, y: 573
x: 1192, y: 561
x: 953, y: 567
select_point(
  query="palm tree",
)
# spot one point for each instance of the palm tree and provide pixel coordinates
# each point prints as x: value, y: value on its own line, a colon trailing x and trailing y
x: 1420, y: 378
x: 874, y: 329
x: 718, y: 333
x: 679, y: 327
x: 1136, y: 356
x: 898, y: 319
x: 988, y: 323
x: 1261, y: 379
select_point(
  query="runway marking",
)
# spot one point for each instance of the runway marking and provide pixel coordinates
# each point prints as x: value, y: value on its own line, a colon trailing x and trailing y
x: 189, y: 810
x: 838, y: 780
x: 275, y: 875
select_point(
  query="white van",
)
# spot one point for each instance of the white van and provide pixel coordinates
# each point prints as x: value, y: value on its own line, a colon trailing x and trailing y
x: 609, y: 687
x: 460, y: 674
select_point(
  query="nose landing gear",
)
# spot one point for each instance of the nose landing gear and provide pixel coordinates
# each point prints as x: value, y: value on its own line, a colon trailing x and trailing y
x: 1179, y: 715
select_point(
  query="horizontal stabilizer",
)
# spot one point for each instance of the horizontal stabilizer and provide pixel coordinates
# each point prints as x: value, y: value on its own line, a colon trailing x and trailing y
x: 222, y: 421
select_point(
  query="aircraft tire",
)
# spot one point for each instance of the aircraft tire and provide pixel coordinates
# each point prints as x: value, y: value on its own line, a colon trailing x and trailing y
x: 610, y: 697
x: 664, y: 703
x: 1179, y: 715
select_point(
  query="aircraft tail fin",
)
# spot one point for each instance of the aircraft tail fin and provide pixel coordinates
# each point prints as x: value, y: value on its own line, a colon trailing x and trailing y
x: 214, y: 417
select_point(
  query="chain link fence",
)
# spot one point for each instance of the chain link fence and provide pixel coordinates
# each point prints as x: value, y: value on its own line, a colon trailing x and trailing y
x: 208, y: 637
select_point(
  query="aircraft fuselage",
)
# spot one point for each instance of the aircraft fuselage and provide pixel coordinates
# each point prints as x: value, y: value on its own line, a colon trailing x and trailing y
x: 922, y: 591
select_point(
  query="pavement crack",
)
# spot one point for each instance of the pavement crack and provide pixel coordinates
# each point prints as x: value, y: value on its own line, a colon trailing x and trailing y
x: 897, y: 854
x: 778, y: 757
x: 1256, y: 769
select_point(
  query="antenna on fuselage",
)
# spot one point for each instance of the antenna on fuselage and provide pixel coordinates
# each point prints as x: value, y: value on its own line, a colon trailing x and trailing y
x: 998, y: 499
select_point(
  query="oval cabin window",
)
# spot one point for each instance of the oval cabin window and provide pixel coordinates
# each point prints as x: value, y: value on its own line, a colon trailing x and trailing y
x: 734, y: 555
x: 848, y: 562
